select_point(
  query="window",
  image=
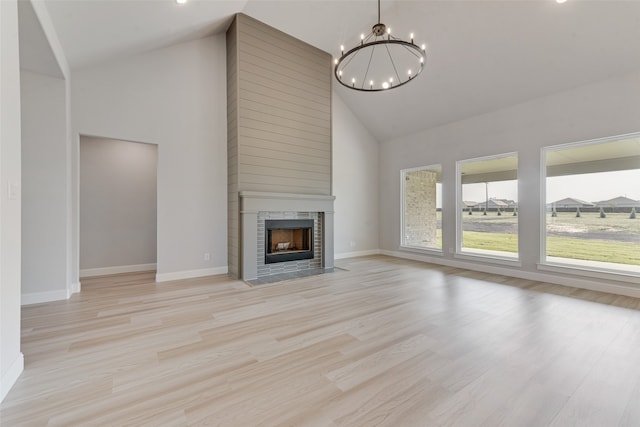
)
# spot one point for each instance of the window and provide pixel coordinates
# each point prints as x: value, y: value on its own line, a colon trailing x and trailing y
x: 592, y: 209
x: 422, y: 208
x: 488, y: 206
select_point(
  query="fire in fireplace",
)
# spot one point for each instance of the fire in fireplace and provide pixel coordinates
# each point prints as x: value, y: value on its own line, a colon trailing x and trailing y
x: 288, y: 240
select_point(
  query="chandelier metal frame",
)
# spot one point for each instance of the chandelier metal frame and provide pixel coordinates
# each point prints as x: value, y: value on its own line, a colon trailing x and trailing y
x: 379, y: 36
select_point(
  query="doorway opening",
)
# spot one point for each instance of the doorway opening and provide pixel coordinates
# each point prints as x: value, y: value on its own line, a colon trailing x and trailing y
x: 118, y: 206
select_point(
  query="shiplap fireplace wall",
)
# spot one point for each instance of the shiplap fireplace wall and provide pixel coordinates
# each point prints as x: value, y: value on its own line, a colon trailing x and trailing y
x: 279, y: 137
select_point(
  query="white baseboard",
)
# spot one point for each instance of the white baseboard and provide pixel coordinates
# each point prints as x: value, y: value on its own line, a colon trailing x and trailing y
x: 355, y: 254
x: 73, y: 288
x: 48, y: 296
x: 104, y: 271
x: 611, y: 288
x: 190, y: 274
x: 40, y: 297
x: 11, y: 376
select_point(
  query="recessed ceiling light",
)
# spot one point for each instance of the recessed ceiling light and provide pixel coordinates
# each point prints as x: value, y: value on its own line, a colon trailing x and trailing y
x: 181, y: 1
x: 560, y: 1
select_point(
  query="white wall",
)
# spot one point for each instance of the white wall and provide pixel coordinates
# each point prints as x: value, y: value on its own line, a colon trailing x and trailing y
x: 117, y: 206
x: 355, y: 184
x: 603, y: 109
x: 11, y: 359
x: 175, y: 98
x: 44, y: 188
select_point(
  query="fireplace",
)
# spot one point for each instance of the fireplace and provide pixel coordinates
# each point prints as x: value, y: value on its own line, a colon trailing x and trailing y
x: 288, y: 240
x: 259, y: 211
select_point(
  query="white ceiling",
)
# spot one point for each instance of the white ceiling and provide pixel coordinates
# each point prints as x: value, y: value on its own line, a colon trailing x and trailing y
x: 481, y: 55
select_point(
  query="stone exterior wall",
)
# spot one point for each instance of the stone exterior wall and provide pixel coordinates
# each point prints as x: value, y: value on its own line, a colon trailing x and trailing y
x: 289, y: 266
x: 420, y: 222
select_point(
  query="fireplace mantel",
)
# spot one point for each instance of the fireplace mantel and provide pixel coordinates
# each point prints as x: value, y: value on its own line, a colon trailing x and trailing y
x: 262, y: 201
x: 253, y: 202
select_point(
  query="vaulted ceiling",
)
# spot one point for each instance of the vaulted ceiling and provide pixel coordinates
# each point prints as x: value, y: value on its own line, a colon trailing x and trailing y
x: 481, y: 55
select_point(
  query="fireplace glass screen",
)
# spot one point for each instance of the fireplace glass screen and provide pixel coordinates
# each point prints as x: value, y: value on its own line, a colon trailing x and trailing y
x: 288, y: 240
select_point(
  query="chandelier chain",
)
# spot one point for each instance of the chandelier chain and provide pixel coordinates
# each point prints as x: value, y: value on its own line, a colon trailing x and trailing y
x: 393, y: 63
x: 368, y: 65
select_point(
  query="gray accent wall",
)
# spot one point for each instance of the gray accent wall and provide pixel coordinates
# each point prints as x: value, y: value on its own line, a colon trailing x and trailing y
x: 118, y: 203
x: 233, y: 230
x: 278, y: 118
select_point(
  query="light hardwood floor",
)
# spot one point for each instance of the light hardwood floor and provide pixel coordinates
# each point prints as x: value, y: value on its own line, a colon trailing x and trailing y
x: 388, y: 342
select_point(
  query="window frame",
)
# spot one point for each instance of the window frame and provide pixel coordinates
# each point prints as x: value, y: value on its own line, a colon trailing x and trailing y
x: 513, y: 261
x: 403, y: 245
x: 593, y: 271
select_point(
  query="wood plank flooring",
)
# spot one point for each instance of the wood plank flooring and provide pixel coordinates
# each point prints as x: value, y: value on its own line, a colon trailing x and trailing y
x: 387, y: 342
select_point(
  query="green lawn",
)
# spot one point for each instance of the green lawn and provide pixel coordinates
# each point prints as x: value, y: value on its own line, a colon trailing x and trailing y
x: 563, y: 247
x: 566, y: 236
x: 594, y: 250
x: 490, y: 241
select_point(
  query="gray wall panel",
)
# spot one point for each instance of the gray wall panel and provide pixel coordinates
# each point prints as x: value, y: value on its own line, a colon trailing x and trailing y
x: 279, y: 119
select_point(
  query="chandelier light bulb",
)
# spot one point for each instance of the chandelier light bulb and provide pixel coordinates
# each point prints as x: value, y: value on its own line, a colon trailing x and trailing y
x: 342, y: 48
x: 335, y: 61
x: 409, y: 72
x: 371, y: 83
x: 385, y: 85
x: 423, y: 47
x: 411, y: 37
x: 422, y: 59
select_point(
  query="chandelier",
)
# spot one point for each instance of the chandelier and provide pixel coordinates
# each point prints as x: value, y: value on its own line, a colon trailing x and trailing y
x: 380, y: 61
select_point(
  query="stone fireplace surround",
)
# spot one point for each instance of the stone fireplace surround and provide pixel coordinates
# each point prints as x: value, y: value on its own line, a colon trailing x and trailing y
x: 255, y: 206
